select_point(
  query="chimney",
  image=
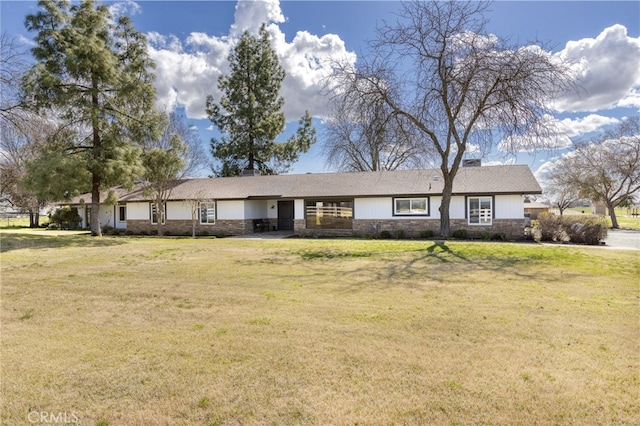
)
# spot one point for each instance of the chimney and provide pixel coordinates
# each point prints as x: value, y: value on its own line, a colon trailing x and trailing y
x: 472, y: 162
x: 250, y: 172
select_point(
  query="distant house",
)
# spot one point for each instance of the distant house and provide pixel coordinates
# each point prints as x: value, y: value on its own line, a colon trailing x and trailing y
x: 486, y: 199
x: 598, y: 208
x: 533, y: 209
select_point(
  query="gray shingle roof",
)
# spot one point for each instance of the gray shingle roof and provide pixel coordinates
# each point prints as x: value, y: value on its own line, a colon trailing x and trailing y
x: 515, y: 179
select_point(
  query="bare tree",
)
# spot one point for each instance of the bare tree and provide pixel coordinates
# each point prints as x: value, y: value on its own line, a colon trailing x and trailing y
x: 558, y: 191
x: 194, y: 157
x: 439, y: 68
x: 22, y: 140
x: 13, y: 66
x: 177, y: 154
x: 607, y: 170
x: 363, y: 134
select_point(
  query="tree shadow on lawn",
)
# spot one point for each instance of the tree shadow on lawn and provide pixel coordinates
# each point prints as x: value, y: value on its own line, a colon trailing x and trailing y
x: 18, y: 241
x: 439, y: 258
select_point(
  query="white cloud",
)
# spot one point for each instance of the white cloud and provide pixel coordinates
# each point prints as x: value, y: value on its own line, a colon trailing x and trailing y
x: 125, y: 7
x: 188, y: 71
x: 506, y: 162
x: 250, y: 15
x: 26, y: 41
x: 607, y: 69
x: 585, y: 125
x: 631, y: 100
x: 542, y: 174
x: 549, y: 135
x: 562, y: 133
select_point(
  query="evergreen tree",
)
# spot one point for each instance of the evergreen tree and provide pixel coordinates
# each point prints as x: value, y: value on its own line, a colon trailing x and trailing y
x: 93, y: 71
x: 249, y: 112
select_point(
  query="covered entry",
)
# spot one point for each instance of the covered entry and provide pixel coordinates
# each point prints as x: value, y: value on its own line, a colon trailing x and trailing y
x: 285, y: 215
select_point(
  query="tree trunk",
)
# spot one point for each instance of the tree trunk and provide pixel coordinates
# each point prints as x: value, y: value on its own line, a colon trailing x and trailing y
x: 32, y: 219
x: 445, y: 224
x: 95, y: 206
x: 612, y: 213
x: 96, y: 180
x: 159, y: 215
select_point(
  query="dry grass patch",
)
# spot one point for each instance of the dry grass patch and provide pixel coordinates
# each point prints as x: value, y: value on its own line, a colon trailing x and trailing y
x: 130, y: 331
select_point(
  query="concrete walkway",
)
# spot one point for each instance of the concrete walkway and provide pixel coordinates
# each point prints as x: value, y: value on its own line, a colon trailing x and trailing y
x: 623, y: 239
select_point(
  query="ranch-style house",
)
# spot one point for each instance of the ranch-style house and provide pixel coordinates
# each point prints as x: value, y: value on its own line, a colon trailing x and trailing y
x: 486, y: 200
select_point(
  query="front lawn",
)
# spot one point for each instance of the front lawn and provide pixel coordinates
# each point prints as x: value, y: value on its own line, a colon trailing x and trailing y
x: 153, y: 331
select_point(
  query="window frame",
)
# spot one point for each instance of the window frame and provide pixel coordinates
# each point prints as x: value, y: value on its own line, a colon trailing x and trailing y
x: 426, y: 199
x: 215, y: 212
x: 152, y: 213
x: 345, y: 221
x: 122, y: 213
x: 490, y: 216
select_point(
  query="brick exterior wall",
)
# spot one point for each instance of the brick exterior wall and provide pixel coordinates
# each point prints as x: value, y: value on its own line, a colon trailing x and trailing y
x: 184, y: 227
x: 513, y: 229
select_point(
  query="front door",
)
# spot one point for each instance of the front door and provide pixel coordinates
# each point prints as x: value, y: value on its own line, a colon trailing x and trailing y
x: 285, y: 215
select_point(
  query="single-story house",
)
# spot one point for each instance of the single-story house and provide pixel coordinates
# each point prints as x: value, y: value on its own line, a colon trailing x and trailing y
x: 486, y: 199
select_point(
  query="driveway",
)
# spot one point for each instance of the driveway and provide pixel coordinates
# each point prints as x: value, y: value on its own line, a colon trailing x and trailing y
x: 622, y: 238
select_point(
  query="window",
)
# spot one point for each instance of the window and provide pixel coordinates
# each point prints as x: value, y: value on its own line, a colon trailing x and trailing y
x: 411, y: 206
x: 207, y: 213
x: 122, y: 213
x: 154, y: 214
x: 329, y: 214
x: 480, y: 210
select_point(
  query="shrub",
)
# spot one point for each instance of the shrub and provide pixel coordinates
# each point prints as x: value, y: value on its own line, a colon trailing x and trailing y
x: 401, y: 234
x: 427, y: 233
x: 128, y: 232
x: 576, y: 229
x: 461, y: 234
x: 66, y: 217
x: 499, y: 236
x: 587, y: 230
x: 385, y: 235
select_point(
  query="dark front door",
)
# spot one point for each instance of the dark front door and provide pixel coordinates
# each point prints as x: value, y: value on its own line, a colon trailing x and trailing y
x: 285, y: 215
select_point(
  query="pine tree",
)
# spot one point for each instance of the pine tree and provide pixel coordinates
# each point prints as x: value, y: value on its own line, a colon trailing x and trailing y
x: 94, y: 71
x: 249, y: 112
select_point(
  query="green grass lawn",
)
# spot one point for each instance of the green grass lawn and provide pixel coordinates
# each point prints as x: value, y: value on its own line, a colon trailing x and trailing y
x: 153, y: 331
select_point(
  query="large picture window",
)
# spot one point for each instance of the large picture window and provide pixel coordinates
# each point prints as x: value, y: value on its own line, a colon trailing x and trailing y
x: 208, y: 213
x: 329, y: 214
x: 154, y: 214
x: 418, y: 206
x: 480, y: 210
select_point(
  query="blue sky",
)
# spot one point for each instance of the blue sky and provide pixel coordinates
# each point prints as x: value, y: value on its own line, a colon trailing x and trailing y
x: 190, y: 40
